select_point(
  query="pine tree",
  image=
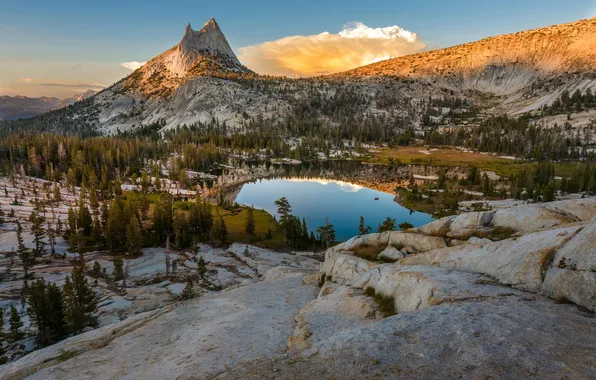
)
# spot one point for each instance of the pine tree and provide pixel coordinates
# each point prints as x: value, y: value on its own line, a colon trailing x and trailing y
x: 57, y: 196
x: 387, y: 225
x: 38, y: 233
x: 284, y: 210
x: 118, y: 269
x: 362, y: 230
x: 15, y: 324
x: 249, y: 225
x: 162, y: 216
x: 46, y: 311
x: 96, y: 269
x: 220, y: 231
x: 51, y: 232
x: 180, y: 228
x: 202, y: 267
x: 188, y: 292
x: 133, y: 237
x: 24, y: 253
x: 327, y: 233
x: 79, y: 302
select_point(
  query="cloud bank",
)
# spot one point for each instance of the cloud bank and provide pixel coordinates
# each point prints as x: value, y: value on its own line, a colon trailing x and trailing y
x: 133, y: 65
x: 356, y: 45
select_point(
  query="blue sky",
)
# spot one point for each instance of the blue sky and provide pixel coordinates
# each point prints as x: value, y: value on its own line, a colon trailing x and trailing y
x: 54, y: 42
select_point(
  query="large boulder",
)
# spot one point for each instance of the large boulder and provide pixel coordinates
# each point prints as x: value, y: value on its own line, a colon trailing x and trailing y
x: 391, y: 254
x: 370, y: 240
x: 583, y: 209
x: 471, y: 220
x: 572, y: 274
x: 438, y: 227
x: 420, y: 243
x: 344, y: 267
x: 415, y: 288
x: 529, y: 218
x: 520, y: 262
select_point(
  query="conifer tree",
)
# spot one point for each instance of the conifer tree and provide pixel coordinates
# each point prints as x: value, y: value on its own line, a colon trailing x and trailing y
x: 133, y: 237
x: 46, y: 312
x: 79, y: 302
x: 118, y: 269
x: 249, y: 225
x: 220, y: 231
x: 327, y: 233
x: 363, y: 230
x: 51, y: 232
x: 57, y: 196
x: 24, y: 253
x: 15, y: 324
x: 1, y: 322
x: 38, y: 233
x: 188, y: 292
x: 387, y: 225
x: 96, y: 269
x: 202, y: 267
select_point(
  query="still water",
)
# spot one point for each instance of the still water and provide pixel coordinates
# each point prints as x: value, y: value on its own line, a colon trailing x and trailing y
x: 342, y: 202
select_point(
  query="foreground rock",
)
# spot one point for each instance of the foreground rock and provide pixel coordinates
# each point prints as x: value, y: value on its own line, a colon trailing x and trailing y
x: 511, y: 337
x: 518, y: 262
x: 572, y: 273
x: 514, y: 308
x: 199, y: 338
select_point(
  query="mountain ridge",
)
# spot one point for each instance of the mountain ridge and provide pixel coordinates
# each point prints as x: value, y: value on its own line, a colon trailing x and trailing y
x: 200, y: 80
x: 20, y: 106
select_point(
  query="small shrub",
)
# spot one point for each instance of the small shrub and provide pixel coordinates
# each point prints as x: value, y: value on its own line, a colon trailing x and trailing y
x: 368, y: 252
x: 66, y: 354
x: 385, y: 304
x: 501, y: 233
x: 405, y: 225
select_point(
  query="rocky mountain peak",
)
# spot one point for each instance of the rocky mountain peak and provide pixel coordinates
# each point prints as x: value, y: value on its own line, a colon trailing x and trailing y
x: 203, y: 52
x: 209, y: 38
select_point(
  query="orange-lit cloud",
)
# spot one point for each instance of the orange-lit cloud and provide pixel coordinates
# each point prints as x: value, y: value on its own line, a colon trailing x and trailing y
x: 325, y: 53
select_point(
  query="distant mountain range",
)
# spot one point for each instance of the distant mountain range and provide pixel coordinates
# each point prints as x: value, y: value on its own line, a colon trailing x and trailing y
x: 20, y: 107
x: 201, y: 80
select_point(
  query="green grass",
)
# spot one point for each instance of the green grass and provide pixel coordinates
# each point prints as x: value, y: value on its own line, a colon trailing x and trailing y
x: 412, y: 155
x: 368, y: 252
x: 235, y: 219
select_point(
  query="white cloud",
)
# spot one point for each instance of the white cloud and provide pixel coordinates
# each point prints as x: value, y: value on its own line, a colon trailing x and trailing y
x: 356, y: 45
x: 133, y: 65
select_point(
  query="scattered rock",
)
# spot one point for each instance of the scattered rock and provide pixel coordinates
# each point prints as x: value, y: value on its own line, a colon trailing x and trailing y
x: 390, y: 254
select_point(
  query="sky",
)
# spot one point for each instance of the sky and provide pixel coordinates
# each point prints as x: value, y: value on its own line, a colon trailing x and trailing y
x: 62, y: 47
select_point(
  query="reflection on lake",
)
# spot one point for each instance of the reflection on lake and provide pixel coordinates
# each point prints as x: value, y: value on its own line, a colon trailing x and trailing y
x: 342, y: 202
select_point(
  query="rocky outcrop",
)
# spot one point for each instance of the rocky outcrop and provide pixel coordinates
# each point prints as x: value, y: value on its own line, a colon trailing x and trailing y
x: 528, y: 218
x: 519, y: 262
x: 514, y: 337
x: 477, y: 310
x: 344, y: 267
x: 418, y: 242
x: 398, y: 239
x: 438, y: 227
x: 415, y: 288
x: 572, y: 273
x: 199, y: 338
